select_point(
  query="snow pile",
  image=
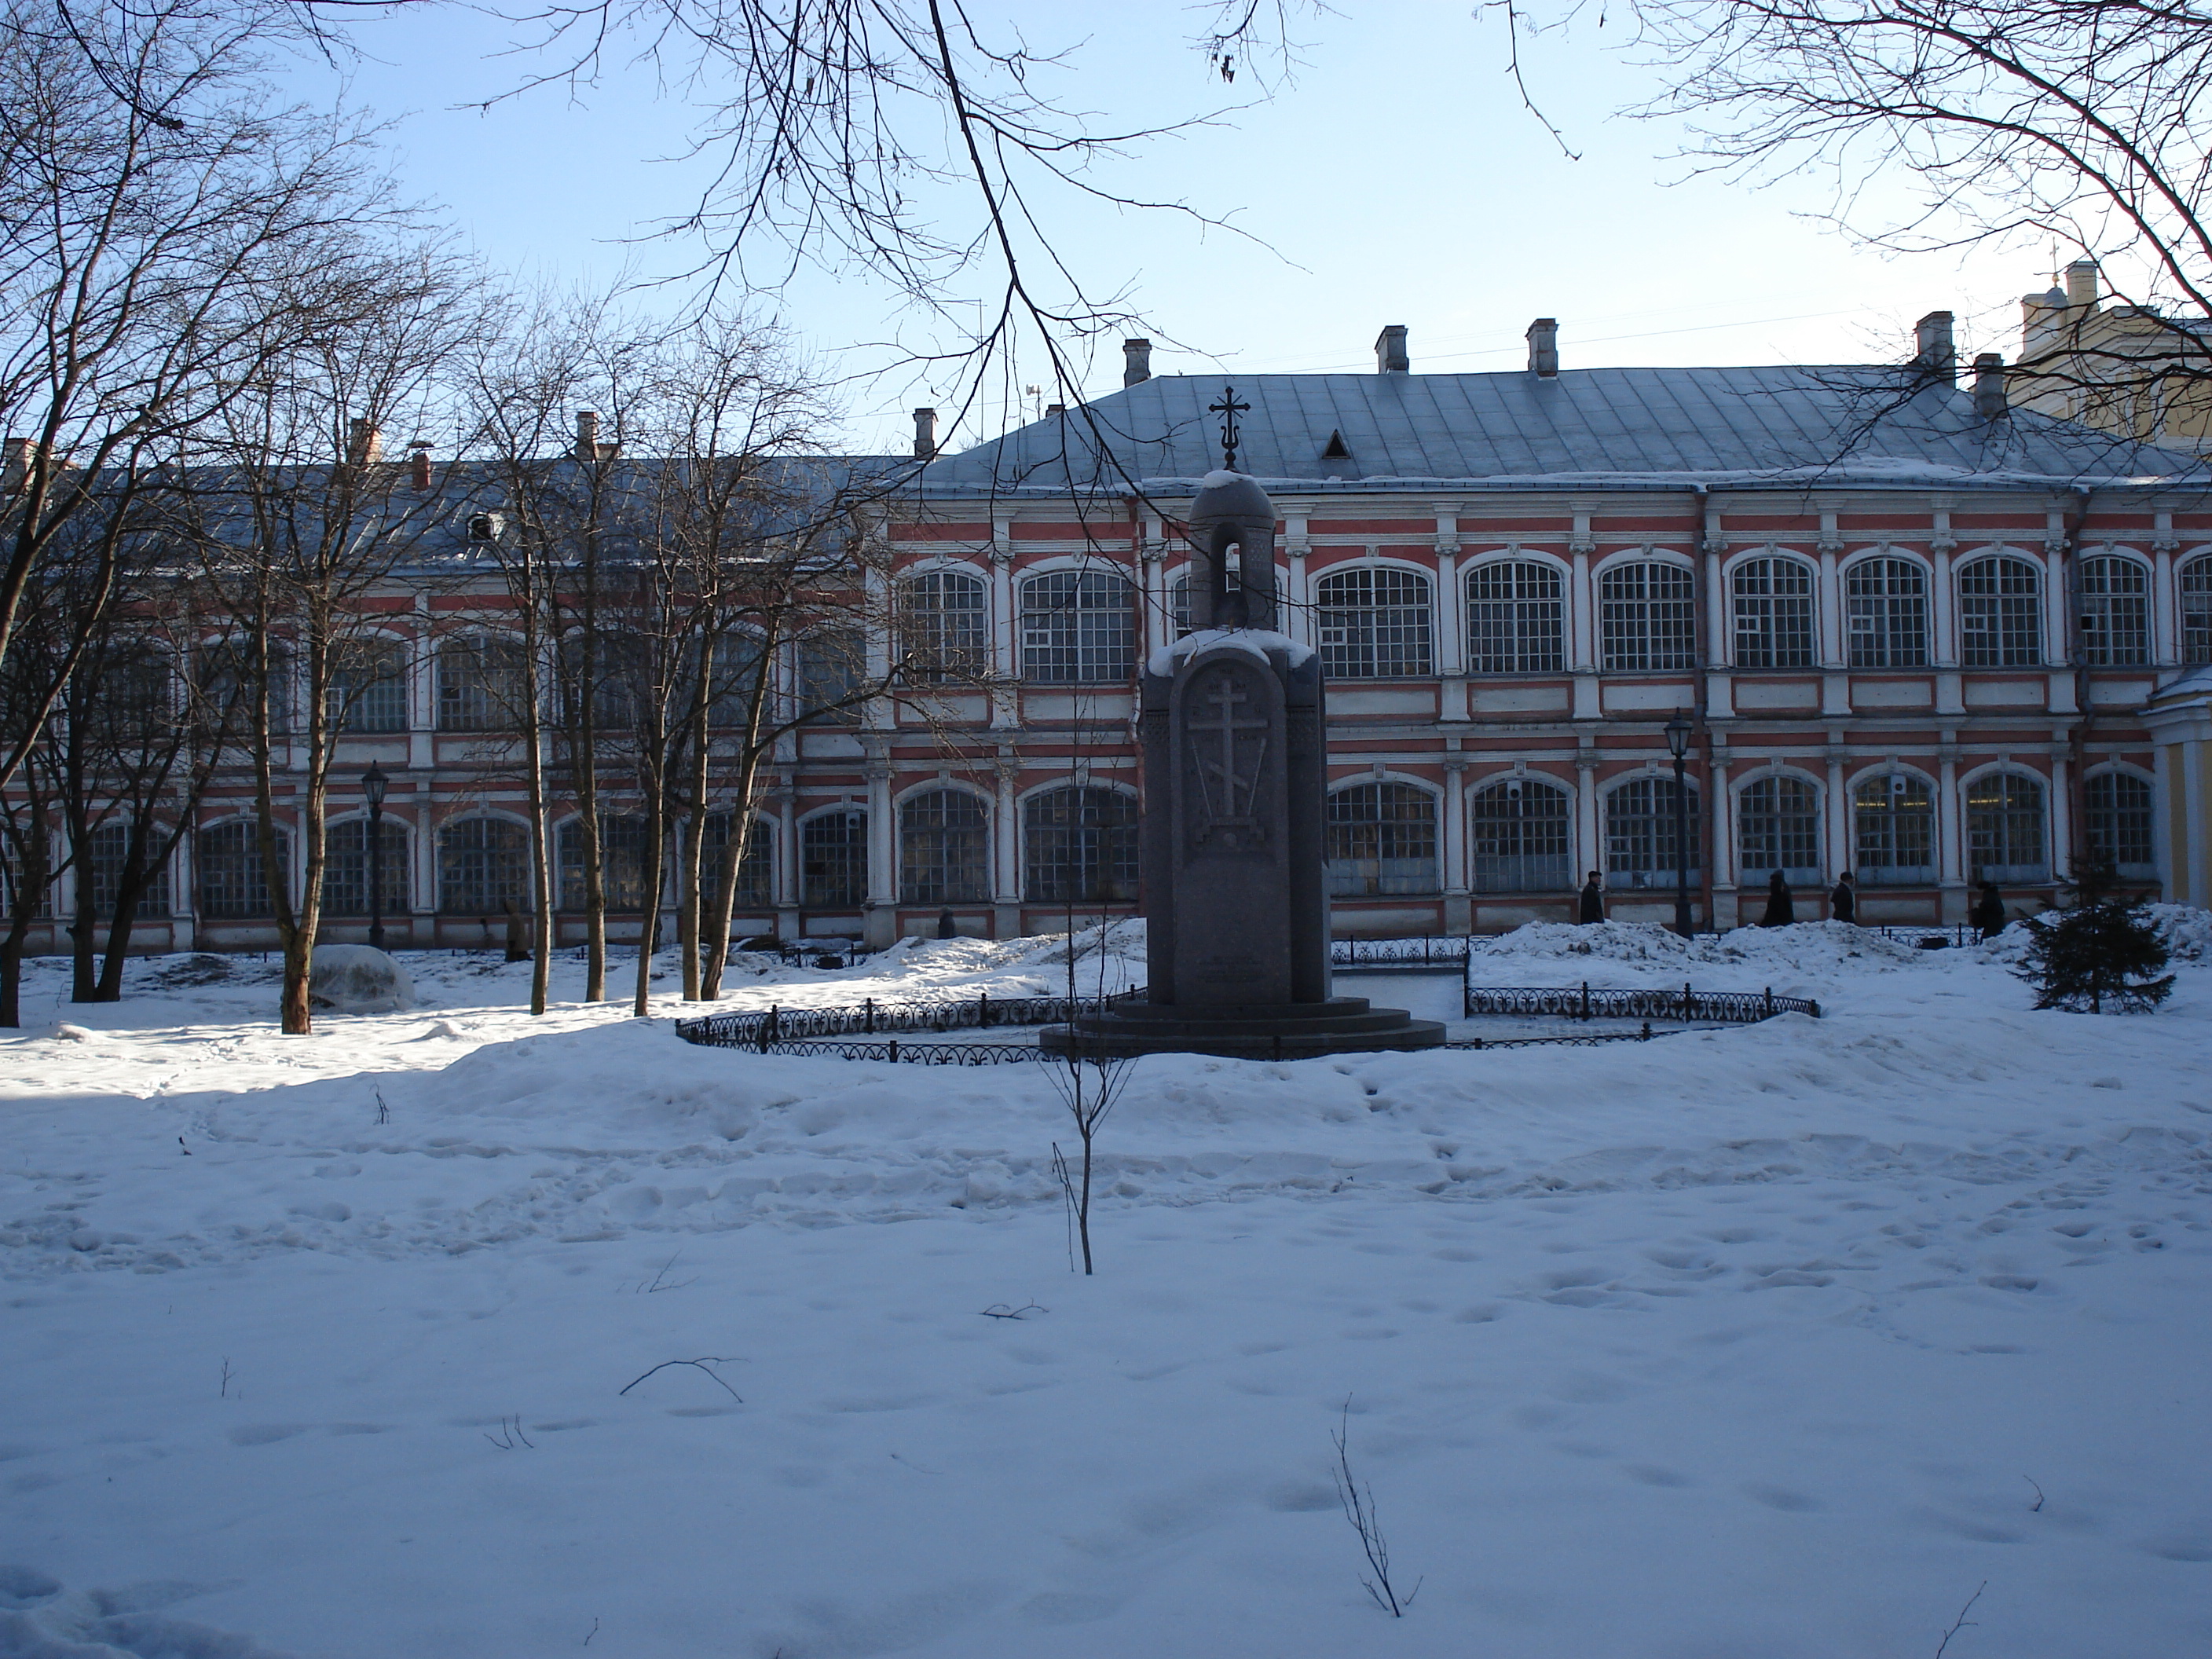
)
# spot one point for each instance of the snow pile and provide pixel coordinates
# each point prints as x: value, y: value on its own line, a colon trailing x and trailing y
x: 355, y: 979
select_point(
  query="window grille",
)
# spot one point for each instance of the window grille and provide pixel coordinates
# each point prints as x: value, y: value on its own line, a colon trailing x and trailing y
x: 756, y: 866
x: 1515, y: 619
x: 944, y: 849
x: 1647, y: 616
x: 483, y: 680
x: 2004, y: 830
x: 1079, y: 847
x: 1893, y: 831
x: 734, y: 680
x: 1179, y: 605
x: 833, y: 665
x: 2118, y: 828
x: 228, y: 857
x: 130, y: 701
x: 1382, y: 840
x: 2196, y: 583
x: 1639, y: 834
x: 1887, y: 604
x: 622, y: 674
x: 345, y: 868
x: 1076, y: 628
x: 833, y: 860
x: 1773, y: 602
x: 1520, y: 834
x: 2000, y: 614
x: 483, y: 866
x: 623, y: 864
x: 100, y: 880
x: 367, y: 690
x: 945, y: 626
x: 1374, y: 624
x: 2115, y: 599
x: 11, y: 875
x: 1778, y: 827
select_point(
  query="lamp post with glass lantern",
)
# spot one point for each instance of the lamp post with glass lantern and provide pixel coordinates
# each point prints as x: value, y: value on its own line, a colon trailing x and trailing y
x: 373, y: 786
x: 1678, y: 744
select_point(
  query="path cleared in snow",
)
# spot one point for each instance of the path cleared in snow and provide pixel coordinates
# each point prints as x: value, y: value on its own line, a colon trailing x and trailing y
x: 1767, y: 1341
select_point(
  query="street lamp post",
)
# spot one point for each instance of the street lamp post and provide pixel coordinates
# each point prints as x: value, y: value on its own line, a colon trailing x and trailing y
x: 373, y: 786
x: 1678, y: 745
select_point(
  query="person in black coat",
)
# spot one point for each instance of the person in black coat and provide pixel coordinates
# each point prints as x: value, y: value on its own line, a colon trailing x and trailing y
x: 1592, y: 905
x: 1781, y: 911
x: 1844, y: 902
x: 1989, y: 912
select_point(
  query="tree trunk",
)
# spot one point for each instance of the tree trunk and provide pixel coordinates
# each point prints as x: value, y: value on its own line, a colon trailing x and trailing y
x: 655, y: 834
x: 726, y: 896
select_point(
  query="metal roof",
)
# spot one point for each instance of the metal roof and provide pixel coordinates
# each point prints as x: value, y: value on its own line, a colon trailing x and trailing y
x: 1881, y: 426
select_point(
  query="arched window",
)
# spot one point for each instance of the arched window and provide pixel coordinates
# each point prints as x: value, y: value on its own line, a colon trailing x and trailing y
x: 99, y: 882
x: 1893, y: 830
x: 1886, y: 602
x: 1374, y: 624
x: 755, y: 866
x: 1519, y: 830
x: 228, y: 860
x: 483, y: 680
x: 1778, y: 827
x: 2115, y: 596
x: 833, y: 666
x: 1515, y: 619
x: 833, y: 860
x: 2196, y: 583
x: 2004, y: 830
x: 1179, y: 605
x: 2117, y: 808
x: 623, y: 864
x: 1639, y: 834
x: 945, y: 621
x: 1076, y: 628
x: 1381, y: 839
x: 2000, y: 614
x: 1773, y: 600
x: 1079, y: 847
x: 483, y: 866
x: 737, y: 678
x: 345, y: 868
x: 369, y: 686
x: 944, y: 849
x: 624, y: 677
x: 1647, y: 616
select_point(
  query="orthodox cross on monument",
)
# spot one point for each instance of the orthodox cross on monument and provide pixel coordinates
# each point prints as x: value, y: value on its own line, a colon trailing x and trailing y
x: 1229, y: 409
x: 1232, y: 716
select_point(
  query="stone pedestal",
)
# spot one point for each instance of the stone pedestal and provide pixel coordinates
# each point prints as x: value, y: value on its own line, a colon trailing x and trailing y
x: 1236, y: 780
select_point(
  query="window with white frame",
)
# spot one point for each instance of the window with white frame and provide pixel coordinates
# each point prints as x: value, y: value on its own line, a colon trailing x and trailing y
x: 833, y: 666
x: 1374, y: 624
x: 345, y: 868
x: 1886, y: 604
x: 1773, y: 604
x: 483, y: 680
x: 1893, y: 830
x: 2000, y: 614
x: 1777, y: 827
x: 944, y: 849
x: 1519, y: 833
x: 1647, y: 617
x: 738, y: 676
x: 623, y: 864
x: 483, y: 867
x: 2115, y: 609
x: 1076, y: 628
x: 2117, y: 806
x: 756, y: 884
x: 1179, y: 605
x: 1381, y: 839
x: 945, y: 625
x: 106, y: 861
x: 232, y: 885
x: 833, y: 860
x: 1640, y: 841
x: 2005, y: 835
x: 367, y: 687
x: 12, y: 876
x: 2195, y: 582
x: 1079, y: 847
x: 1516, y: 618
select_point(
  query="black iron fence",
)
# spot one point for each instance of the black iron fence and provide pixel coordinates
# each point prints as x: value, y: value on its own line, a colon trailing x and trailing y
x: 1435, y: 950
x: 1692, y: 1007
x: 893, y: 1052
x: 873, y: 1018
x: 1935, y: 936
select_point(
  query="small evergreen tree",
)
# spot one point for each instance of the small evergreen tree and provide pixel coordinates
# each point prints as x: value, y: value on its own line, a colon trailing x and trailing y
x: 2100, y: 948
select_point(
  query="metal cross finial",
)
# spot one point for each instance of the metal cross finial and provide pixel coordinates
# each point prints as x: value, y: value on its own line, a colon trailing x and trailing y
x: 1229, y: 409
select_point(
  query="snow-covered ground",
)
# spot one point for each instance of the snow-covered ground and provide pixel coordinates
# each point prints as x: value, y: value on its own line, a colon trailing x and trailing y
x: 1764, y: 1343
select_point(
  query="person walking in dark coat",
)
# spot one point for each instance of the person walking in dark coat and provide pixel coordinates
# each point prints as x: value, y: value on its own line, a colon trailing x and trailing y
x: 1592, y: 905
x: 1781, y: 911
x: 1844, y: 902
x: 1988, y: 913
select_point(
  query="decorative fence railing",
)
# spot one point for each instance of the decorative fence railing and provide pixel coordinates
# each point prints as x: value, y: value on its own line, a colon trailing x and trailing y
x: 1936, y: 936
x: 1435, y: 950
x: 784, y: 1026
x: 893, y: 1052
x: 1692, y: 1007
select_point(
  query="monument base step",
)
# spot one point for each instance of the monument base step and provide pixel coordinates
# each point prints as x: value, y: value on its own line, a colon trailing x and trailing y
x: 1298, y: 1030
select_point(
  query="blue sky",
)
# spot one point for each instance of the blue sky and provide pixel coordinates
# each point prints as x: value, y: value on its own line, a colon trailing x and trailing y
x: 1395, y: 179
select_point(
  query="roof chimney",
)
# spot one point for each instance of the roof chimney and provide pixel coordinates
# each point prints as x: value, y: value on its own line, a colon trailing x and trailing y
x: 1937, y: 354
x: 1544, y: 348
x: 1989, y: 386
x: 587, y: 436
x: 421, y: 478
x: 1390, y: 351
x: 2081, y: 284
x: 15, y: 462
x: 925, y: 434
x: 1052, y: 409
x: 364, y: 443
x: 1136, y: 361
